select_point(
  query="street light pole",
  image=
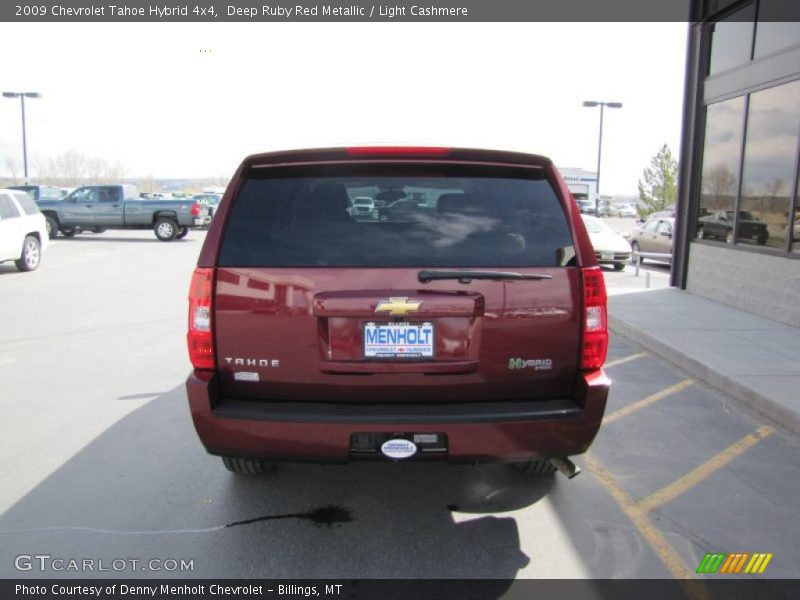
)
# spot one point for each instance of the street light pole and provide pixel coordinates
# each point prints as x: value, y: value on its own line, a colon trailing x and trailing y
x: 22, y: 96
x: 602, y: 105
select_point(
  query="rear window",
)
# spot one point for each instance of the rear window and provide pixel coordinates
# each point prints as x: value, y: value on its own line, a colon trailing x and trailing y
x: 47, y: 193
x: 449, y: 216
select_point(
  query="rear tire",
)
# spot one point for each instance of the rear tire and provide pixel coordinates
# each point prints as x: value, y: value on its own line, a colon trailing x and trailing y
x: 619, y: 266
x: 635, y: 249
x: 701, y: 233
x: 98, y: 229
x: 52, y: 227
x: 68, y: 231
x: 165, y: 229
x: 540, y: 466
x: 31, y: 254
x: 247, y: 466
x: 184, y: 231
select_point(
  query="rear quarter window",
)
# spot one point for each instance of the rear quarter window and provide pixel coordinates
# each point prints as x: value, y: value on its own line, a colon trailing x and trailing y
x: 455, y: 217
x: 7, y: 208
x: 27, y: 204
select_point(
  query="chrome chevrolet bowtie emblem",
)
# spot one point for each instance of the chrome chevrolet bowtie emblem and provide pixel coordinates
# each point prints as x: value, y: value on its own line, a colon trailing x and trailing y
x: 398, y: 307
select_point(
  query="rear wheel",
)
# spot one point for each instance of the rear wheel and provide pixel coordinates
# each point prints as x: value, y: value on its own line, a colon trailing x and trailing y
x: 619, y: 266
x: 52, y: 227
x: 184, y: 231
x: 165, y: 229
x: 247, y: 466
x: 68, y: 231
x: 540, y: 466
x: 701, y: 233
x: 98, y: 229
x: 31, y: 254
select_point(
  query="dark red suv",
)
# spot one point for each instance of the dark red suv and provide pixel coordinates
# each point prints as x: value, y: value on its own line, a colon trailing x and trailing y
x: 471, y: 328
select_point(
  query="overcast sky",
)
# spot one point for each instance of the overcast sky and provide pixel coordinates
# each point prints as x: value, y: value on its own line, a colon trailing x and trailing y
x: 191, y: 100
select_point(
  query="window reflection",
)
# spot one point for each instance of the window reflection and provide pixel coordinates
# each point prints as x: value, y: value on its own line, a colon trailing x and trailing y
x: 773, y: 31
x: 732, y: 40
x: 769, y: 161
x: 722, y: 150
x: 796, y: 228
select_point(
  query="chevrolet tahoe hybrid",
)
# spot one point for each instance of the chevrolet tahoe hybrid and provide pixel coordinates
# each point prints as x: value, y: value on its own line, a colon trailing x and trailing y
x: 473, y: 330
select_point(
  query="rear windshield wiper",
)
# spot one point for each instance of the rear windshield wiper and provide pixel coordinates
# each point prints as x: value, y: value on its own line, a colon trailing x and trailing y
x: 467, y: 276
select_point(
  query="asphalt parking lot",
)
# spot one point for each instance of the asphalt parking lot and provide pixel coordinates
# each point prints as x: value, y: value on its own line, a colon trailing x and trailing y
x: 100, y: 459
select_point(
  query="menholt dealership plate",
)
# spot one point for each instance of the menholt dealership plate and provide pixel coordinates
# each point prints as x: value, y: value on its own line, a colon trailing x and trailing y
x: 398, y: 340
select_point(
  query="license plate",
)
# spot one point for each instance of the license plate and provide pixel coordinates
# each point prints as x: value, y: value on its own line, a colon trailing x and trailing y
x: 398, y: 340
x: 607, y: 255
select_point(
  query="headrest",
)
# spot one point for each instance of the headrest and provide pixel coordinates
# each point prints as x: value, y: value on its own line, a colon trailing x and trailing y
x: 327, y: 202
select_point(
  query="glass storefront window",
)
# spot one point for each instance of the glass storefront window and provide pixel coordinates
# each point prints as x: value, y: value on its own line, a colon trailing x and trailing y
x: 721, y: 154
x: 732, y: 40
x: 770, y: 155
x: 773, y: 31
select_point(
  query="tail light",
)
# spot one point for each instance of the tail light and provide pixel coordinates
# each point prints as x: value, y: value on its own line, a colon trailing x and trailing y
x: 595, y: 325
x: 195, y: 209
x: 200, y: 337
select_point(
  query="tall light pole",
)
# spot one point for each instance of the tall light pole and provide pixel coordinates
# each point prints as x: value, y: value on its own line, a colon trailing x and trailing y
x: 22, y: 96
x: 602, y: 105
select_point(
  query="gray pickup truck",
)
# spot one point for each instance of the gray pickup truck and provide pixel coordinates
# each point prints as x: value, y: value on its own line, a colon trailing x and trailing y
x: 99, y: 207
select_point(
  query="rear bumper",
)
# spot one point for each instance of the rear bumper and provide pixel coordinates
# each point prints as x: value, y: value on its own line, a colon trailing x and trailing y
x: 487, y: 431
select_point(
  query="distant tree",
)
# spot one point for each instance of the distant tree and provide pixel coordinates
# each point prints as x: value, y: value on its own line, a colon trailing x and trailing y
x: 70, y: 168
x: 13, y: 167
x: 719, y: 182
x: 658, y: 190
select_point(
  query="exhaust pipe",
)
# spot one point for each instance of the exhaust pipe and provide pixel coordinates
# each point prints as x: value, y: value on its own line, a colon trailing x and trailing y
x: 565, y: 466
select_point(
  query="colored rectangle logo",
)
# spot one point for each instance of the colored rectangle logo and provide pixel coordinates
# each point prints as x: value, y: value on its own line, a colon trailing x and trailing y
x: 734, y: 563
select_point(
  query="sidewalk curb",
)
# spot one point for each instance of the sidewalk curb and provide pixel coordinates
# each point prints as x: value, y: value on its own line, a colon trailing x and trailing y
x: 745, y: 395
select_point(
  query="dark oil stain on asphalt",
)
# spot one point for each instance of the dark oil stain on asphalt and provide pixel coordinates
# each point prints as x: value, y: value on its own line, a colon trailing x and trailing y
x: 326, y: 515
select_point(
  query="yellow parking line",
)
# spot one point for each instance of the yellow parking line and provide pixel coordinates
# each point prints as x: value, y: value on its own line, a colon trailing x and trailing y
x: 622, y: 361
x: 695, y: 476
x: 622, y: 412
x: 672, y: 561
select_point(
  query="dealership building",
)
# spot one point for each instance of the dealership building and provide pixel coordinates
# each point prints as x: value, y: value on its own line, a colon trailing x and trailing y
x: 737, y: 238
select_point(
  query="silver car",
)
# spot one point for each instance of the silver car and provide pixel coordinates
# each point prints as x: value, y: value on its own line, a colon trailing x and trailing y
x: 654, y: 235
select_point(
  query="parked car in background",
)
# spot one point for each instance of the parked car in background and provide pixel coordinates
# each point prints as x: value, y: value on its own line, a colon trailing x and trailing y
x: 100, y: 207
x: 474, y: 333
x: 587, y: 207
x: 655, y: 236
x: 625, y: 210
x: 609, y: 246
x: 23, y: 233
x: 363, y: 208
x: 209, y: 200
x: 40, y: 192
x: 719, y: 225
x: 604, y: 209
